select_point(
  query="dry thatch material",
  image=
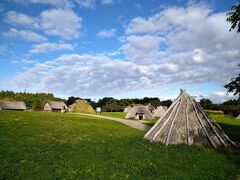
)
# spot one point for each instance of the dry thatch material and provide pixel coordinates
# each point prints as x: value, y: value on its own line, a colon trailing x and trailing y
x: 150, y: 108
x: 54, y: 106
x: 159, y: 112
x: 238, y: 117
x: 185, y: 122
x: 139, y: 112
x: 127, y: 109
x: 81, y: 106
x: 12, y: 105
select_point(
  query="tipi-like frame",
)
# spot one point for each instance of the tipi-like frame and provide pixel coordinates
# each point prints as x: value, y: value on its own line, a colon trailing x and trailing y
x: 185, y: 122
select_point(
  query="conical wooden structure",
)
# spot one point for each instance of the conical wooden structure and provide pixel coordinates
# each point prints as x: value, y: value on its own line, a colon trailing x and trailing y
x: 185, y: 122
x: 159, y: 112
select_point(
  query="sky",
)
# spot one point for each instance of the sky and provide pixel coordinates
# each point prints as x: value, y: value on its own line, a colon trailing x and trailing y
x: 118, y: 48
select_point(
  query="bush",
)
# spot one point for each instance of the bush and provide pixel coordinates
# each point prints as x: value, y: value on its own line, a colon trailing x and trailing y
x: 215, y: 112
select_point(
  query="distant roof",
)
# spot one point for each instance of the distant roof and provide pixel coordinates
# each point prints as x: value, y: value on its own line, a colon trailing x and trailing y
x: 57, y: 104
x: 14, y: 105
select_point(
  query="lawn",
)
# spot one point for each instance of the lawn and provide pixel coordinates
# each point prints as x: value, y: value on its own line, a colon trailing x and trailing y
x: 115, y: 114
x: 35, y: 145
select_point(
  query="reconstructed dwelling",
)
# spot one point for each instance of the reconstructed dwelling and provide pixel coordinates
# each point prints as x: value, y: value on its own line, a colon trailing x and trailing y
x: 186, y: 122
x: 54, y: 106
x: 13, y: 105
x: 139, y: 112
x: 238, y: 117
x: 159, y: 112
x: 81, y: 106
x: 150, y: 108
x: 127, y: 109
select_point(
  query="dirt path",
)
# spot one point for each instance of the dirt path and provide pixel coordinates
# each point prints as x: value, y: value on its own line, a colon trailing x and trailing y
x: 131, y: 123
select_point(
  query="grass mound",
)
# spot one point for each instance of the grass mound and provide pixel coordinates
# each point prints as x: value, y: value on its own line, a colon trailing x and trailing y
x: 37, y: 145
x: 82, y: 106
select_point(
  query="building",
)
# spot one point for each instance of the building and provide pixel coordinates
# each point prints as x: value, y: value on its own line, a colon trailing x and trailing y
x: 127, y: 109
x: 54, y: 106
x: 13, y: 105
x: 139, y: 112
x: 159, y: 112
x: 81, y: 106
x: 150, y: 108
x: 186, y: 122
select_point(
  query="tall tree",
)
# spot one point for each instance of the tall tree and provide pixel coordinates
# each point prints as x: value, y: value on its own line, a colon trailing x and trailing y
x: 234, y: 17
x: 234, y: 85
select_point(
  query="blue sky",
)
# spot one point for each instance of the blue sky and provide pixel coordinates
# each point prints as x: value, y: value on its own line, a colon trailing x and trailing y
x: 119, y: 48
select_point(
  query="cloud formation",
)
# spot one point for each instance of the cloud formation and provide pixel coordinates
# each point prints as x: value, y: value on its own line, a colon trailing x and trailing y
x: 25, y: 35
x: 178, y: 46
x: 63, y: 23
x: 107, y: 33
x: 48, y: 47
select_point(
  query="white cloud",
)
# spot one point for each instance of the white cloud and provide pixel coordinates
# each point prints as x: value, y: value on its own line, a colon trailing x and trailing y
x: 59, y: 22
x: 104, y: 2
x: 25, y: 35
x: 107, y: 33
x: 86, y: 3
x: 177, y: 46
x: 64, y: 23
x: 17, y: 18
x: 48, y: 47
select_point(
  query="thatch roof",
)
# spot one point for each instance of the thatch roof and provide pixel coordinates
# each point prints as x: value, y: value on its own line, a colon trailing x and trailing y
x: 185, y: 122
x: 150, y: 108
x: 238, y: 117
x: 127, y: 109
x: 12, y: 105
x: 140, y: 109
x: 57, y: 104
x: 159, y: 112
x: 81, y: 106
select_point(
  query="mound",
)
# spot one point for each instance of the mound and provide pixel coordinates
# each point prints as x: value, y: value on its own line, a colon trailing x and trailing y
x: 82, y: 106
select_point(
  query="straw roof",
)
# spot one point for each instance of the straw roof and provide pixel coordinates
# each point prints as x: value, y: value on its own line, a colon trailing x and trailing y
x: 12, y: 105
x: 127, y: 109
x: 81, y: 106
x: 57, y: 104
x: 159, y: 112
x: 185, y: 122
x: 140, y: 109
x: 150, y: 108
x: 238, y: 117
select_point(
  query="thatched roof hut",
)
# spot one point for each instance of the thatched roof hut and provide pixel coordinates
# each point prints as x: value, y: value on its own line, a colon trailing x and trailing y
x: 150, y: 108
x: 13, y: 105
x: 139, y: 112
x: 81, y: 106
x: 127, y: 109
x: 159, y: 112
x: 185, y: 122
x: 54, y: 106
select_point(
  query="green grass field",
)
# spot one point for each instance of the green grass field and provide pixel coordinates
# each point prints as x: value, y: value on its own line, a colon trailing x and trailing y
x: 35, y: 145
x: 115, y: 114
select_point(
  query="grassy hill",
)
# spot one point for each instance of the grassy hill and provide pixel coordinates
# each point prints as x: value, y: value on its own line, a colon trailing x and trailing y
x: 35, y: 145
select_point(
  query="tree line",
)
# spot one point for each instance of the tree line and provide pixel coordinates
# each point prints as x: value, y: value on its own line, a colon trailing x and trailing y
x: 36, y: 101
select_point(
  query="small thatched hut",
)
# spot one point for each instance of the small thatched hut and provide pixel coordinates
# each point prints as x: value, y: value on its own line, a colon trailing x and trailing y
x: 13, y: 105
x: 127, y: 109
x: 139, y: 112
x: 159, y: 112
x: 185, y: 122
x: 81, y: 106
x: 150, y: 108
x: 54, y: 106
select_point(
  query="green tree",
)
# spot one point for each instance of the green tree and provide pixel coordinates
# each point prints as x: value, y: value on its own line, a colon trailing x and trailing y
x: 205, y: 103
x: 234, y: 86
x: 234, y: 17
x: 37, y: 106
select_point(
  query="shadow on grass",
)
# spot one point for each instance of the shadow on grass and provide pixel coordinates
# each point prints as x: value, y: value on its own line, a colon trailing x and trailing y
x: 233, y: 131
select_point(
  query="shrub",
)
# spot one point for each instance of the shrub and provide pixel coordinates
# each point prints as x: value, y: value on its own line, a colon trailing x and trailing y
x: 215, y: 112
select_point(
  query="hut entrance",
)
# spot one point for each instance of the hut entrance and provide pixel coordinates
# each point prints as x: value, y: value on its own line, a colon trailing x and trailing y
x: 140, y: 116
